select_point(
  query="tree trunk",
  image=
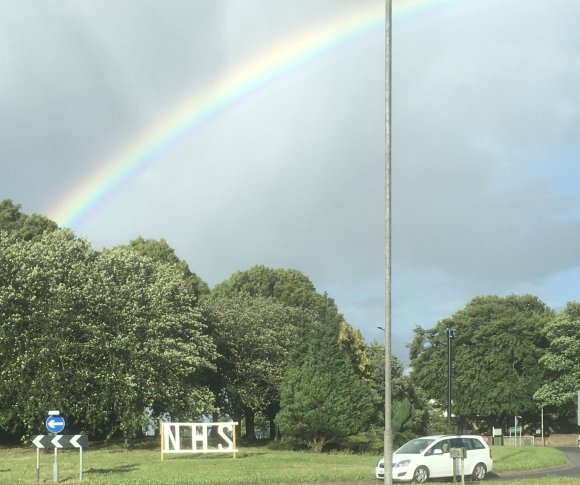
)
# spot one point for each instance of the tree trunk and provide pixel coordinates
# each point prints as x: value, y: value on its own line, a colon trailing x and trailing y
x: 274, y: 432
x: 250, y: 425
x: 316, y: 444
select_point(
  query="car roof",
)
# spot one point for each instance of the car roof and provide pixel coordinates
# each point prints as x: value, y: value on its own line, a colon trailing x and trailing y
x: 439, y: 436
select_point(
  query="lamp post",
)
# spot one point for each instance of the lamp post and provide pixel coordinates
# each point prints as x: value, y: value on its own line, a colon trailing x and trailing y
x: 388, y: 439
x: 450, y: 334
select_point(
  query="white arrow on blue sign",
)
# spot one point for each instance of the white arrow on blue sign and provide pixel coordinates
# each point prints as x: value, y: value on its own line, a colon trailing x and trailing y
x: 55, y: 424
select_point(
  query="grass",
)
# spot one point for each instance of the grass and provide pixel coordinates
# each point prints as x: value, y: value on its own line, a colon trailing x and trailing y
x: 514, y: 458
x: 259, y: 466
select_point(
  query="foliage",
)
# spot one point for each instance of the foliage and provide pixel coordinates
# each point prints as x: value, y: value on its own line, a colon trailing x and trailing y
x: 371, y: 440
x: 156, y: 346
x: 497, y: 346
x: 409, y: 415
x: 322, y: 397
x: 161, y: 252
x: 287, y: 286
x: 254, y: 336
x: 99, y: 336
x: 562, y: 360
x: 22, y: 226
x: 292, y: 288
x: 45, y: 326
x: 355, y: 346
x: 436, y: 419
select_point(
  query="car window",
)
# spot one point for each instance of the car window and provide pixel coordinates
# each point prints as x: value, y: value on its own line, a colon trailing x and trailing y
x: 457, y: 443
x: 442, y: 446
x: 414, y: 447
x: 467, y: 443
x: 476, y: 444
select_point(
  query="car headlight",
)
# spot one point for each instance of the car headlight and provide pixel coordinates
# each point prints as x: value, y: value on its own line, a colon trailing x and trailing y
x: 402, y: 463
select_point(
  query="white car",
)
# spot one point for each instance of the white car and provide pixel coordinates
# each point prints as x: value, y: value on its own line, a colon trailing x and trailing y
x: 429, y: 457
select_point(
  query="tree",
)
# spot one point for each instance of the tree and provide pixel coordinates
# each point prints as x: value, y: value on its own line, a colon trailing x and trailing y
x: 562, y: 361
x: 288, y: 286
x: 20, y: 225
x: 322, y: 397
x: 355, y: 346
x: 254, y: 336
x: 155, y: 348
x: 45, y: 325
x: 292, y: 288
x: 496, y: 351
x: 410, y: 417
x: 98, y: 335
x: 161, y: 252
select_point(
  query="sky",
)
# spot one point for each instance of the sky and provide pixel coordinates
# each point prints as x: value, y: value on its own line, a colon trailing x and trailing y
x: 249, y: 132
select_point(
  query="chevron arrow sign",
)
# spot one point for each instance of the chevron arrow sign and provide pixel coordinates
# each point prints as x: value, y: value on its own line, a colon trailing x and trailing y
x: 60, y: 441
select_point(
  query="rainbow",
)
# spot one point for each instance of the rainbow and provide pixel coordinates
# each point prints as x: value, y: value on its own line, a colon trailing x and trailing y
x: 201, y: 107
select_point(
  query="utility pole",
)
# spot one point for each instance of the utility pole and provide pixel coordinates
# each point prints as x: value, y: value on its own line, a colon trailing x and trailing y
x: 450, y: 335
x: 388, y: 444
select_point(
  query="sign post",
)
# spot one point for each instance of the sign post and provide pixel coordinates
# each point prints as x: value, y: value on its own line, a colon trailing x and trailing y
x: 457, y: 454
x: 55, y: 424
x: 43, y: 441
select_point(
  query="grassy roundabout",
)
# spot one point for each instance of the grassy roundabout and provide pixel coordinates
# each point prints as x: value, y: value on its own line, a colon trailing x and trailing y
x: 261, y: 465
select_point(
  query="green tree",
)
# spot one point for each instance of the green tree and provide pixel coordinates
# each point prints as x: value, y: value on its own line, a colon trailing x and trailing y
x: 161, y: 252
x: 20, y: 225
x: 288, y: 286
x: 355, y: 346
x: 562, y: 361
x: 496, y: 351
x: 292, y: 288
x: 254, y: 336
x: 322, y: 398
x: 410, y: 417
x: 155, y: 348
x: 99, y: 336
x: 45, y: 326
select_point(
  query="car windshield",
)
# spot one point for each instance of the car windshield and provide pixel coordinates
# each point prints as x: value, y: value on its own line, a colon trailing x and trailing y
x: 415, y: 447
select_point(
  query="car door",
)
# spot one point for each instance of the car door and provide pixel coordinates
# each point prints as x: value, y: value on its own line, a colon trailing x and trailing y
x: 467, y: 462
x: 438, y: 460
x: 479, y: 453
x: 474, y: 453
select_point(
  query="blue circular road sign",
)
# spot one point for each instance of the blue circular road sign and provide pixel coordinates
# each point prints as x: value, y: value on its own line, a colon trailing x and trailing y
x: 55, y: 424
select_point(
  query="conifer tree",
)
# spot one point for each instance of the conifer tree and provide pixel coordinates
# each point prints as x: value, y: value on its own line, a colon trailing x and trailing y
x: 323, y: 399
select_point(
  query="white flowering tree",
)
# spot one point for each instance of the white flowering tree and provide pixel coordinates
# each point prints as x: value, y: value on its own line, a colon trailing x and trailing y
x: 98, y: 335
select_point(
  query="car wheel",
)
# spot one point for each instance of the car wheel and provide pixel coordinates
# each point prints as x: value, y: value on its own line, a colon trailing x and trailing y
x: 421, y: 475
x: 479, y: 471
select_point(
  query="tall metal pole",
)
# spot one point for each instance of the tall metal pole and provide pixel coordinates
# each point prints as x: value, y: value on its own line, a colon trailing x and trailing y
x: 388, y: 445
x: 449, y: 376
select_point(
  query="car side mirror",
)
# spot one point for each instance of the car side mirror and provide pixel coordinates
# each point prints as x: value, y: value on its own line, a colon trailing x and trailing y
x: 437, y: 451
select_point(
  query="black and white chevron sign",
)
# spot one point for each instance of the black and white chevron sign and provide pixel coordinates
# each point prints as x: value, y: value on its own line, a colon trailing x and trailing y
x: 60, y: 441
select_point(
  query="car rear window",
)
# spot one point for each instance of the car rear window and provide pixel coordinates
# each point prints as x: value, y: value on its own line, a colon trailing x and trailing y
x: 476, y: 444
x: 467, y: 443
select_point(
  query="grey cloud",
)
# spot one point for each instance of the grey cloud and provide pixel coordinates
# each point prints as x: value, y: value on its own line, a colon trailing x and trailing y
x: 485, y: 123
